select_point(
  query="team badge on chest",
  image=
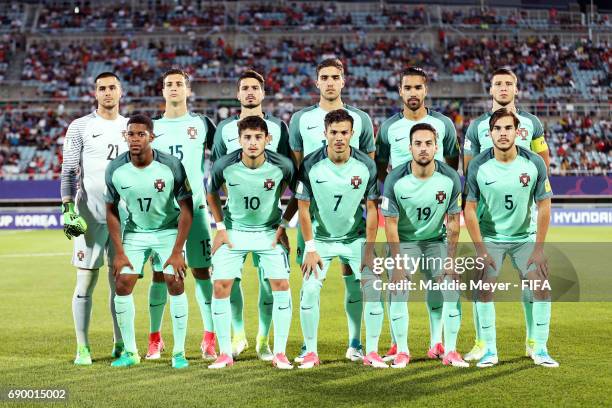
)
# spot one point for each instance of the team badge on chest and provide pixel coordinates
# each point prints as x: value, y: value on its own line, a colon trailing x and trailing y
x: 524, y: 179
x: 440, y: 197
x: 192, y: 132
x: 522, y: 132
x: 356, y: 182
x: 269, y: 184
x: 159, y: 185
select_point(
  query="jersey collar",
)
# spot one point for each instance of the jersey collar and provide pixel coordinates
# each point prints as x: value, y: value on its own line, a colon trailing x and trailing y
x: 401, y: 114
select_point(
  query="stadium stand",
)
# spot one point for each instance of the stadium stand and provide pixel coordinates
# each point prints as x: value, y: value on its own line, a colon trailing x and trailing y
x: 51, y: 51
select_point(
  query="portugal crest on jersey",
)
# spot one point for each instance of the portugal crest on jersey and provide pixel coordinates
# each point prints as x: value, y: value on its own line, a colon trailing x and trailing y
x: 192, y: 132
x: 81, y: 255
x: 522, y: 132
x: 269, y: 184
x: 356, y: 182
x: 159, y: 185
x: 440, y: 197
x: 524, y: 179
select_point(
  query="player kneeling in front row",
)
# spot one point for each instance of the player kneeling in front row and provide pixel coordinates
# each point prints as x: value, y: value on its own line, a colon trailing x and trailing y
x: 150, y: 183
x: 418, y: 196
x: 333, y: 181
x: 503, y: 183
x: 250, y: 221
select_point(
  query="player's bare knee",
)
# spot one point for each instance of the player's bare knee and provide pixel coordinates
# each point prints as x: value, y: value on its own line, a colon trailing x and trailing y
x: 346, y: 270
x: 222, y: 288
x: 541, y: 295
x: 279, y: 284
x: 124, y: 285
x: 175, y: 287
x: 158, y: 277
x: 201, y: 273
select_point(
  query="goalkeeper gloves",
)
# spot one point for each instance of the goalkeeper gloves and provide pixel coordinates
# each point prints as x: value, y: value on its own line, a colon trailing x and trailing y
x: 74, y: 224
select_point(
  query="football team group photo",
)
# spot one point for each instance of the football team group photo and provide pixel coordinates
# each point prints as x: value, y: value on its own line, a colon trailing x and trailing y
x: 305, y: 203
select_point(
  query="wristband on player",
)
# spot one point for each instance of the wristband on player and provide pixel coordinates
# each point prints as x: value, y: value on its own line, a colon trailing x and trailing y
x: 220, y: 226
x: 284, y: 223
x: 309, y: 246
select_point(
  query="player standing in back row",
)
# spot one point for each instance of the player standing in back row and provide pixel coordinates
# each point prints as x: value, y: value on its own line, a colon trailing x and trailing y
x: 250, y: 94
x: 393, y: 149
x: 307, y: 134
x: 392, y: 143
x: 503, y: 183
x: 185, y: 135
x: 91, y: 142
x: 530, y: 135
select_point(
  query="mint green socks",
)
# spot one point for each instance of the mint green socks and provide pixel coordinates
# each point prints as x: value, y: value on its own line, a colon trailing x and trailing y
x: 541, y: 319
x: 399, y: 318
x: 374, y: 314
x: 203, y: 292
x: 180, y: 314
x: 158, y: 294
x: 237, y: 306
x: 124, y: 307
x: 309, y: 312
x: 281, y: 316
x: 264, y: 305
x: 353, y: 305
x: 486, y: 318
x: 221, y: 311
x: 434, y: 310
x: 527, y: 301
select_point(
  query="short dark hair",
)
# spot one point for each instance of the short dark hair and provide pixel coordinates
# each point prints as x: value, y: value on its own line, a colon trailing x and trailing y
x: 251, y: 73
x: 504, y: 71
x: 252, y: 122
x: 413, y: 71
x: 424, y: 126
x: 331, y: 62
x: 501, y: 113
x: 175, y: 71
x: 338, y: 115
x: 141, y: 119
x: 107, y: 74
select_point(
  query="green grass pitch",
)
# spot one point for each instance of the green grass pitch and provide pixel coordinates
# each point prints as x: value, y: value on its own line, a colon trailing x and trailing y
x: 38, y: 347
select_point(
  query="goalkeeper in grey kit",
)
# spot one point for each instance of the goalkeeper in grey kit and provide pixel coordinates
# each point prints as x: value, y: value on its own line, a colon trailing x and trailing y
x: 91, y: 142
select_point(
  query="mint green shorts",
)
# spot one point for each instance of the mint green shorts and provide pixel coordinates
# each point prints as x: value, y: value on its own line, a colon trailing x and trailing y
x: 227, y: 262
x: 140, y: 246
x: 348, y: 253
x: 428, y: 257
x: 519, y: 253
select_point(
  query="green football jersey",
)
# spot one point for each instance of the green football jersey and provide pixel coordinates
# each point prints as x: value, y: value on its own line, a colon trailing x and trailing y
x: 335, y: 193
x: 226, y: 137
x: 149, y: 193
x: 253, y: 195
x: 186, y: 138
x: 421, y: 204
x: 506, y: 193
x: 530, y: 134
x: 393, y: 141
x: 307, y: 130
